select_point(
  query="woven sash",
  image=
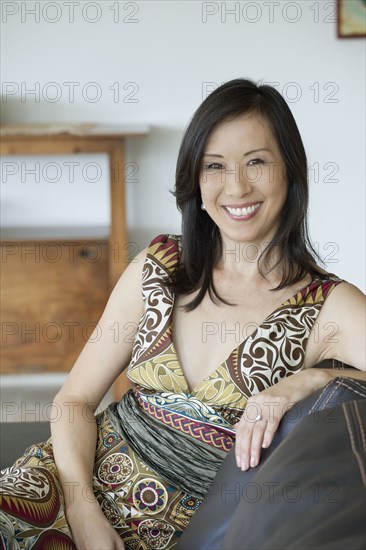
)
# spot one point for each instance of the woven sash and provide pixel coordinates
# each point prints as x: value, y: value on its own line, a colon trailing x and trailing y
x: 188, y: 464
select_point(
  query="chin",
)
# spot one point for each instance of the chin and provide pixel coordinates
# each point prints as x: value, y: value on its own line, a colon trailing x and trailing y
x: 247, y: 237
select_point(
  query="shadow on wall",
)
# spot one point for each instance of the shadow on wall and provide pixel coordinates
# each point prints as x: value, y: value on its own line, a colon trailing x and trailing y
x: 151, y: 207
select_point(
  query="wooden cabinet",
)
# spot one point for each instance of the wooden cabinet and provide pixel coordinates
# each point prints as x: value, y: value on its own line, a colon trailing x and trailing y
x: 60, y: 300
x: 53, y: 293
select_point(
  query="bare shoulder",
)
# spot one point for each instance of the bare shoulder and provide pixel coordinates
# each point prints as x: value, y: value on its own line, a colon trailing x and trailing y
x: 132, y: 275
x: 343, y: 299
x: 343, y: 314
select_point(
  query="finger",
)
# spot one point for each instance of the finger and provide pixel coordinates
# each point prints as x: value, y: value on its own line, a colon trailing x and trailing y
x: 238, y: 437
x: 244, y: 439
x: 237, y: 449
x: 259, y: 430
x: 271, y: 428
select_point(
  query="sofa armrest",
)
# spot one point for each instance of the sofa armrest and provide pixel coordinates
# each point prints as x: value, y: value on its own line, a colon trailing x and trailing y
x: 311, y: 492
x: 208, y: 526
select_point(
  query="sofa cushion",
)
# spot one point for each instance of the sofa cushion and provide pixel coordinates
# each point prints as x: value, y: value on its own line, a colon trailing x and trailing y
x: 311, y: 493
x: 15, y: 437
x: 208, y: 526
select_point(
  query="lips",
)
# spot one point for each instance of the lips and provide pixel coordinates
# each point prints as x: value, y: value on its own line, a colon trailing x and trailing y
x: 242, y: 212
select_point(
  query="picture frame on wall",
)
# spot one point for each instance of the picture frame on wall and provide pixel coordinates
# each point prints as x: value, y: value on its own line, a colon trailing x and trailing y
x: 351, y: 18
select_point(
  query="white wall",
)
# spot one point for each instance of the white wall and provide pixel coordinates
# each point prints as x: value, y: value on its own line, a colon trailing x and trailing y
x: 171, y: 50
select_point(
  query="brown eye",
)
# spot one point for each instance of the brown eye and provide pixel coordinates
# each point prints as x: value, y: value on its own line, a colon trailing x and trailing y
x: 213, y: 166
x: 254, y: 162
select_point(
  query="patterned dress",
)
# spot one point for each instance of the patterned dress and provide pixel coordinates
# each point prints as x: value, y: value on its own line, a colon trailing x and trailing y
x: 159, y: 448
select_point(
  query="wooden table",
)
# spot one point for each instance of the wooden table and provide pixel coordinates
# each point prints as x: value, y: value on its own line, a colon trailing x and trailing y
x: 90, y: 138
x: 85, y: 138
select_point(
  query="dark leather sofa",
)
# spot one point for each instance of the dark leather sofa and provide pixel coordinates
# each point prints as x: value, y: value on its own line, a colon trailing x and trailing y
x: 15, y: 437
x: 308, y: 490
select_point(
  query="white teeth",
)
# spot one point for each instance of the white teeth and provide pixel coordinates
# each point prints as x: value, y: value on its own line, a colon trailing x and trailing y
x: 243, y: 211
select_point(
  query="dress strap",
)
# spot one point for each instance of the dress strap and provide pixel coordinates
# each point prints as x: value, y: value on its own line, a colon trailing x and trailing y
x: 165, y: 251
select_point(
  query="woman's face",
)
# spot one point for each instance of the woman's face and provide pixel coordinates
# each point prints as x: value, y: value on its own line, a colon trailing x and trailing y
x: 243, y: 180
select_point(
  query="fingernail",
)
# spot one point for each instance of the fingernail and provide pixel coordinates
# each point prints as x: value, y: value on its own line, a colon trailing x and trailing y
x: 265, y: 444
x: 238, y: 461
x: 253, y: 461
x: 243, y: 465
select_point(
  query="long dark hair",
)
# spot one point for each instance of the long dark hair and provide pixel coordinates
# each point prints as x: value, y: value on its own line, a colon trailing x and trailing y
x: 201, y: 240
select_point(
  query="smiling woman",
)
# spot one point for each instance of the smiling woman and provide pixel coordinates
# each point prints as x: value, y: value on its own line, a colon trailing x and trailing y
x: 248, y: 185
x: 235, y: 123
x: 200, y: 386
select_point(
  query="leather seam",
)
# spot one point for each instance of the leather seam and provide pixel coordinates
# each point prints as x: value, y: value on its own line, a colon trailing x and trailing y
x: 342, y: 382
x: 341, y: 367
x: 321, y: 395
x: 353, y: 446
x: 330, y: 396
x: 360, y: 427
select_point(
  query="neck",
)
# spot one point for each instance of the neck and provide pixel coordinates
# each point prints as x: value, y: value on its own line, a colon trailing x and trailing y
x: 242, y: 259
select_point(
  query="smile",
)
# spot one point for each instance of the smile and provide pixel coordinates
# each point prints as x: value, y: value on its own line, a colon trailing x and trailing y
x: 244, y: 212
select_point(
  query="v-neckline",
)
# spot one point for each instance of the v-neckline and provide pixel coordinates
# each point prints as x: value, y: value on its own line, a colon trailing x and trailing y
x: 194, y: 390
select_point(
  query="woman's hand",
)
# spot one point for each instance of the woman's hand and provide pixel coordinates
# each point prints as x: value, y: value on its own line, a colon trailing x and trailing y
x: 265, y: 410
x: 91, y: 530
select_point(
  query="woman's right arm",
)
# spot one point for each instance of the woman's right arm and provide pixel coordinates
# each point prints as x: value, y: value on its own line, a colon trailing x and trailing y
x: 74, y: 431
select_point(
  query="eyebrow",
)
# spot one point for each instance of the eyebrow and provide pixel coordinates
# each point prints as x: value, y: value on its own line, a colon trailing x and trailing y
x: 245, y: 154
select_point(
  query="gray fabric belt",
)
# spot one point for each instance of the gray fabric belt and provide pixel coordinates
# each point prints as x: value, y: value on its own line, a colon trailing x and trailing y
x: 189, y: 465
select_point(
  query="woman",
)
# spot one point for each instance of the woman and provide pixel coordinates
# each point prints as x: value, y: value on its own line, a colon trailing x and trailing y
x: 227, y: 313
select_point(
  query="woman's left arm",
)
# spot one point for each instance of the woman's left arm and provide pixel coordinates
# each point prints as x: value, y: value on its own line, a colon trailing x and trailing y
x: 347, y: 311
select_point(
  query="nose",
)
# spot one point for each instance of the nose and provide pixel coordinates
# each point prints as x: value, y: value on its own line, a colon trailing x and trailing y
x: 237, y: 183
